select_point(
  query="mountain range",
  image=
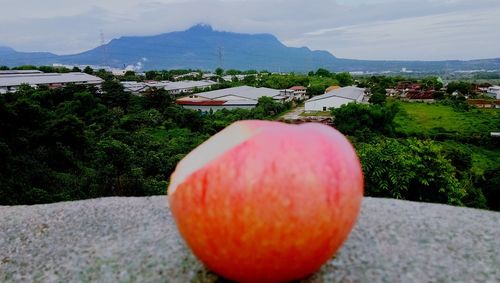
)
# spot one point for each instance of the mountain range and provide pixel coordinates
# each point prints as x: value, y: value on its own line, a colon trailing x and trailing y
x: 201, y: 47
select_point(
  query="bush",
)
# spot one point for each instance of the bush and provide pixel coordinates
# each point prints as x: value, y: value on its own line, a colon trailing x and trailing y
x: 362, y: 120
x: 410, y: 169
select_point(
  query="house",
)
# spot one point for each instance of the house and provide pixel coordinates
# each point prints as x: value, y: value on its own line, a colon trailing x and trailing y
x: 188, y: 75
x: 494, y: 92
x: 300, y: 92
x: 484, y: 103
x: 335, y: 99
x: 10, y: 81
x: 231, y: 78
x: 419, y: 96
x: 245, y: 97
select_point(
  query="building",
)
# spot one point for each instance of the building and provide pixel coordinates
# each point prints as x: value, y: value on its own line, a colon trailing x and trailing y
x: 19, y: 72
x: 300, y: 92
x: 335, y: 99
x: 484, y: 103
x: 180, y: 87
x: 333, y: 87
x: 188, y: 75
x: 232, y: 78
x: 245, y: 97
x: 134, y: 87
x: 173, y: 88
x: 10, y: 81
x: 494, y: 92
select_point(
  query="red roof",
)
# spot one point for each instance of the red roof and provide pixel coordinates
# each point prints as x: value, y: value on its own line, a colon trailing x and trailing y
x: 202, y: 103
x: 298, y: 87
x: 414, y: 94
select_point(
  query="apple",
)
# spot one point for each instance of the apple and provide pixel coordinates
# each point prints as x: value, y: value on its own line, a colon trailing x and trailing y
x: 266, y: 201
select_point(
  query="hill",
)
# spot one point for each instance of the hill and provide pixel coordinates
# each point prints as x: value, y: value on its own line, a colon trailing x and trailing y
x: 135, y: 239
x: 201, y: 47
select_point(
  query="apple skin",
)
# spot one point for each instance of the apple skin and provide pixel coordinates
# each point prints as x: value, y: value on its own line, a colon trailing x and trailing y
x: 273, y: 208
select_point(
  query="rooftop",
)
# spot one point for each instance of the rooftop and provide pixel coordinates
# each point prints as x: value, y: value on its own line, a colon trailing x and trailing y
x: 246, y: 92
x: 46, y: 78
x: 16, y: 72
x: 188, y: 84
x: 298, y: 87
x: 350, y: 92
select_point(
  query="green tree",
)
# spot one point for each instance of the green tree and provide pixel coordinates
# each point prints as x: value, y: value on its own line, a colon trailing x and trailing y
x: 362, y: 120
x: 345, y: 79
x: 378, y: 98
x: 323, y: 73
x: 88, y: 70
x: 113, y: 94
x: 412, y: 170
x: 219, y: 72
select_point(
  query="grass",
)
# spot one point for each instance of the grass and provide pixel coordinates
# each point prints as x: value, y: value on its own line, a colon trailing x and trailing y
x: 482, y: 158
x: 429, y: 119
x: 421, y: 118
x: 316, y: 114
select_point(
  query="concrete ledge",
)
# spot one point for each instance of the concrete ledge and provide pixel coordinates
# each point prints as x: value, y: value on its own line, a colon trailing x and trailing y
x: 135, y: 240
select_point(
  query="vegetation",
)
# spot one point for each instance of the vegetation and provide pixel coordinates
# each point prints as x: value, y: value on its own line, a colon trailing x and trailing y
x: 425, y: 152
x: 441, y: 121
x: 77, y: 142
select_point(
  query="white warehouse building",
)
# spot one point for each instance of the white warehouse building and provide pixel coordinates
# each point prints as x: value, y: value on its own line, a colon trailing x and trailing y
x: 245, y: 97
x: 11, y: 80
x: 335, y: 99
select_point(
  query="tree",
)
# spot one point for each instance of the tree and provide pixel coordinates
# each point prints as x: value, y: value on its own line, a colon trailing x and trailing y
x: 88, y: 70
x: 323, y: 73
x: 219, y: 72
x: 411, y: 170
x: 113, y: 94
x: 76, y: 69
x: 378, y: 98
x: 345, y: 79
x: 489, y: 183
x: 363, y: 120
x: 464, y: 88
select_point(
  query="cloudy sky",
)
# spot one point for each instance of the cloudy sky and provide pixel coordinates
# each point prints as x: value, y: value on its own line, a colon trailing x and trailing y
x: 361, y: 29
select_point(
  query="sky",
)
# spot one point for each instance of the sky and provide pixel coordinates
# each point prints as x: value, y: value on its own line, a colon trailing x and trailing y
x: 356, y: 29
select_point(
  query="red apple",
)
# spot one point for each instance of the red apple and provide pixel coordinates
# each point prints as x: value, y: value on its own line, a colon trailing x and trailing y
x: 266, y: 201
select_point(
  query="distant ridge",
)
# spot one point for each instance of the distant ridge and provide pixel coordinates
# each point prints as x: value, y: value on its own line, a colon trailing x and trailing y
x: 202, y: 47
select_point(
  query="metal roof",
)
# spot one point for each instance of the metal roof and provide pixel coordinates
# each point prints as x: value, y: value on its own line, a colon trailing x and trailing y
x: 350, y: 92
x: 14, y: 72
x: 188, y: 84
x: 246, y: 92
x: 8, y: 80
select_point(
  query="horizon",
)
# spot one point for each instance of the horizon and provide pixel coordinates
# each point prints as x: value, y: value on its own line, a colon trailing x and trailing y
x: 406, y: 30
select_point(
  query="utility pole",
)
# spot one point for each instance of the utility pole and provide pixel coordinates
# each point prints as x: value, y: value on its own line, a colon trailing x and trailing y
x: 220, y: 53
x: 104, y: 50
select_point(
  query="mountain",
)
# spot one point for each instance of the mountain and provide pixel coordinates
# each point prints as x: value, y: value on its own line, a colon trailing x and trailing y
x: 201, y: 47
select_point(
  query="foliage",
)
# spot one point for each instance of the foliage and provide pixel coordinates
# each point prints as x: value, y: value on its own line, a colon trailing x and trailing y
x: 409, y: 169
x: 370, y: 119
x: 445, y: 122
x: 77, y: 142
x: 378, y: 98
x: 463, y: 88
x: 489, y: 183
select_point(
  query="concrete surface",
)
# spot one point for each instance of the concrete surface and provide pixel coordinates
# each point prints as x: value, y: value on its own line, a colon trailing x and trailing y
x: 135, y: 240
x: 294, y: 114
